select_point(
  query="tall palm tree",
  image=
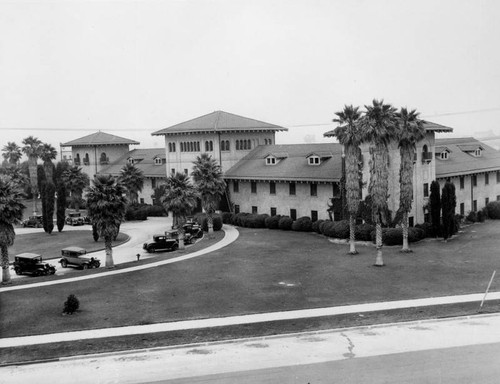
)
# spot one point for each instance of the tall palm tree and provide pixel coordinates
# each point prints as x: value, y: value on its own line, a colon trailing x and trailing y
x: 32, y: 150
x: 12, y: 153
x: 378, y: 126
x: 47, y: 154
x: 410, y: 130
x: 106, y: 206
x: 133, y: 180
x: 180, y: 198
x: 76, y: 181
x: 349, y: 135
x: 208, y: 181
x: 11, y: 212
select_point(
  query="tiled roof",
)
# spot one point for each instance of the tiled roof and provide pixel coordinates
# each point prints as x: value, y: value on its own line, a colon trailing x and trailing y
x: 462, y: 163
x: 99, y: 138
x: 428, y: 125
x: 144, y: 160
x: 294, y: 167
x: 219, y: 121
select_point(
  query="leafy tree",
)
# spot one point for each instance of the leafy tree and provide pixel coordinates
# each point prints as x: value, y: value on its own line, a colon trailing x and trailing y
x: 32, y: 150
x: 349, y: 135
x: 208, y: 181
x: 12, y: 153
x: 410, y: 130
x: 16, y: 175
x: 76, y: 181
x: 11, y: 212
x: 133, y: 180
x: 180, y: 198
x: 435, y: 207
x: 106, y: 206
x: 378, y: 127
x: 448, y: 204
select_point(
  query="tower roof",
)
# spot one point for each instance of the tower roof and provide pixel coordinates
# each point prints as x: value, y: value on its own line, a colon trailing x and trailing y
x: 99, y: 138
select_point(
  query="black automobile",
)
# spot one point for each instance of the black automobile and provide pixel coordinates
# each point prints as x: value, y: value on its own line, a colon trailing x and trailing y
x: 74, y: 218
x: 35, y: 221
x: 75, y: 256
x: 32, y: 264
x: 160, y: 243
x: 194, y: 229
x: 174, y: 234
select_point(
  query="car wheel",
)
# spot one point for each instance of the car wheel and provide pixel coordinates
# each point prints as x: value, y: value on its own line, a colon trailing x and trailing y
x: 64, y: 263
x: 175, y: 247
x: 39, y: 225
x: 151, y: 250
x: 85, y: 266
x: 18, y: 271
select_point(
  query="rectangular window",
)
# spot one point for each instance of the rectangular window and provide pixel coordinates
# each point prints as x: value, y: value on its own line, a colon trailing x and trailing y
x: 272, y: 188
x: 486, y: 201
x: 462, y: 209
x: 314, y: 216
x: 172, y: 170
x: 236, y: 208
x: 314, y: 189
x: 273, y: 211
x: 486, y: 178
x: 498, y: 177
x: 293, y: 214
x: 462, y: 182
x: 253, y: 187
x: 292, y: 189
x: 474, y: 180
x: 474, y: 205
x: 236, y: 186
x: 254, y: 209
x: 426, y: 189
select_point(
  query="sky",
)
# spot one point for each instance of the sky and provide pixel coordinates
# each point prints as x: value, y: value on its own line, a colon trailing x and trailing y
x: 70, y: 68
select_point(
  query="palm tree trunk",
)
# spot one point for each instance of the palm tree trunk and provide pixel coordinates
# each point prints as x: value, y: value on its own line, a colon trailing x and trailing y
x: 404, y: 227
x: 352, y: 237
x: 379, y: 262
x: 109, y: 251
x: 34, y: 182
x: 210, y: 224
x: 181, y: 238
x: 5, y: 265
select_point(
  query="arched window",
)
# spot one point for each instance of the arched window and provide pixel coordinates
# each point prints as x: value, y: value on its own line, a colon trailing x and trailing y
x: 103, y: 159
x: 211, y: 145
x: 77, y: 159
x: 237, y: 145
x: 198, y: 146
x: 86, y: 160
x: 206, y: 146
x: 249, y: 144
x: 173, y: 147
x: 182, y: 147
x: 223, y: 145
x: 228, y: 147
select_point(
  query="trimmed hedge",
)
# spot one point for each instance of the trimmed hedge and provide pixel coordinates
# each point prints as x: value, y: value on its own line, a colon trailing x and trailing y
x: 493, y: 210
x: 273, y: 222
x: 202, y: 219
x: 316, y: 226
x: 336, y: 229
x: 302, y: 224
x: 285, y: 223
x: 143, y: 211
x: 394, y: 236
x: 363, y: 232
x: 227, y: 217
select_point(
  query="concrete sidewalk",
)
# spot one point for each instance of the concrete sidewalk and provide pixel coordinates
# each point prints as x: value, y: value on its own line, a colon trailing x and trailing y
x: 235, y: 320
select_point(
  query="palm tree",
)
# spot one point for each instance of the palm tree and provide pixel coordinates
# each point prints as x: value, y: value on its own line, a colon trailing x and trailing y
x: 76, y: 181
x: 349, y: 135
x: 180, y: 198
x: 32, y: 150
x: 410, y: 130
x: 208, y: 181
x: 11, y: 212
x: 378, y: 127
x: 12, y: 153
x: 106, y: 206
x: 47, y: 154
x: 133, y: 180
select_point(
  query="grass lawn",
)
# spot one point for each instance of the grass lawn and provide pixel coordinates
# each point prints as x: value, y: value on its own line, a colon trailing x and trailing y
x: 49, y: 246
x: 263, y: 271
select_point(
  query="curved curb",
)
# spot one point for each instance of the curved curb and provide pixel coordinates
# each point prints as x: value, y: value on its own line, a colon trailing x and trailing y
x: 230, y: 235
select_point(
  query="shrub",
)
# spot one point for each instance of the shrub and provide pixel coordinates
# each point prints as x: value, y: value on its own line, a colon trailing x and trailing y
x: 302, y: 224
x: 71, y: 305
x: 136, y: 212
x: 155, y: 210
x: 227, y: 217
x: 341, y: 229
x: 316, y: 226
x: 427, y: 228
x: 202, y: 219
x: 471, y: 217
x: 392, y: 236
x: 363, y: 232
x: 493, y: 210
x: 481, y: 216
x: 255, y: 221
x: 238, y: 218
x: 326, y: 228
x: 285, y: 223
x: 415, y: 234
x: 272, y: 222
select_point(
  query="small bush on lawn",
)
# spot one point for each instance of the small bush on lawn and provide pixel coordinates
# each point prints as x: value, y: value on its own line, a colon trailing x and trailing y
x: 302, y: 224
x: 285, y: 223
x: 136, y: 212
x: 493, y: 210
x: 202, y: 219
x: 471, y: 217
x: 363, y: 232
x: 415, y: 234
x: 238, y: 218
x: 394, y: 236
x: 255, y: 221
x: 154, y: 210
x: 327, y: 228
x: 71, y: 305
x: 273, y: 222
x: 316, y: 226
x: 227, y: 217
x: 336, y: 229
x: 322, y: 226
x: 427, y: 228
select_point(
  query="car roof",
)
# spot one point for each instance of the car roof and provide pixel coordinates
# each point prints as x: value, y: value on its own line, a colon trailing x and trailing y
x: 28, y: 255
x: 74, y: 249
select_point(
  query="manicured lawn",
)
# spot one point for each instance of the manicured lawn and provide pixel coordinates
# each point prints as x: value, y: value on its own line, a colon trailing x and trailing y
x: 263, y: 271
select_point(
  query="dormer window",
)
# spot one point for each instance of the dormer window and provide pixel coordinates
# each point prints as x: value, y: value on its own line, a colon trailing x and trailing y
x: 478, y: 152
x: 444, y: 155
x: 158, y: 160
x: 313, y: 160
x: 270, y: 160
x: 130, y: 160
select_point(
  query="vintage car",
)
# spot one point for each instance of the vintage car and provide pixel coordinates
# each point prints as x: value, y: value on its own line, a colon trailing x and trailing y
x: 74, y: 218
x: 35, y: 221
x: 32, y: 264
x: 194, y: 229
x: 174, y: 234
x: 160, y: 243
x: 75, y: 256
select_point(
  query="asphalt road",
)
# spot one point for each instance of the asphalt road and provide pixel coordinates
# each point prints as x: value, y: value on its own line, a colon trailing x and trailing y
x: 460, y: 350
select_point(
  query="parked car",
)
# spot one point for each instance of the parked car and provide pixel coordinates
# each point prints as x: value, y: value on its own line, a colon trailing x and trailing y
x: 31, y: 263
x: 75, y: 256
x: 160, y: 243
x: 35, y: 221
x: 174, y: 234
x: 74, y: 218
x: 194, y: 229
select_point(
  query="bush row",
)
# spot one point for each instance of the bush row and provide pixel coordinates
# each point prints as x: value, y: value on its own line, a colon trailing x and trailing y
x: 202, y: 219
x: 143, y: 211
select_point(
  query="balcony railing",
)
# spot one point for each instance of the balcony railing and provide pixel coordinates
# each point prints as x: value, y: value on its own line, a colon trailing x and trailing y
x: 426, y: 157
